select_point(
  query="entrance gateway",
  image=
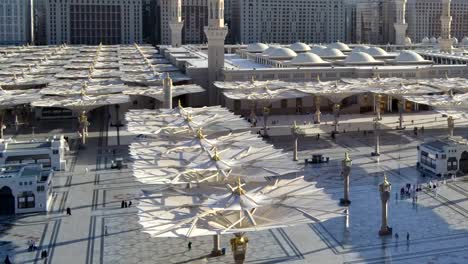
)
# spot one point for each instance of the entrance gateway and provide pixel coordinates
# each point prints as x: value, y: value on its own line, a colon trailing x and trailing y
x: 7, y: 200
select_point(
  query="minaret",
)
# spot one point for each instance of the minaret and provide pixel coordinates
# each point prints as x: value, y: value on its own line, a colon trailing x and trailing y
x: 216, y: 33
x: 175, y: 22
x: 446, y: 41
x: 400, y: 24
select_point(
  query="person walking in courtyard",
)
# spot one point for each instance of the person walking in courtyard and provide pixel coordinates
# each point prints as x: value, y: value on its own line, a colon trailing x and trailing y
x: 396, y: 237
x: 189, y: 245
x: 7, y: 260
x: 68, y: 211
x: 407, y: 237
x: 129, y: 203
x: 122, y: 205
x: 125, y: 204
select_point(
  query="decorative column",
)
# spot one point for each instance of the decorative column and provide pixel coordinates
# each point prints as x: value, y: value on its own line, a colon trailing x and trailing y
x: 446, y: 41
x: 451, y: 126
x: 167, y: 87
x: 216, y: 33
x: 2, y: 125
x: 400, y: 25
x: 266, y: 113
x: 253, y: 115
x: 384, y: 188
x: 377, y: 138
x: 83, y: 120
x: 401, y: 109
x: 377, y: 100
x: 336, y: 113
x: 239, y: 247
x: 216, y: 246
x: 346, y: 172
x: 175, y: 23
x: 295, y: 134
x: 317, y: 109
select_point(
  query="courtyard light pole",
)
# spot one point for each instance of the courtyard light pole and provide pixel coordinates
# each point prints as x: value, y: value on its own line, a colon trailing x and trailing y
x: 346, y: 172
x: 385, y: 188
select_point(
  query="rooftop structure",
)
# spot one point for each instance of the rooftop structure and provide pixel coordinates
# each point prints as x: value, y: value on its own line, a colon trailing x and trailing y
x: 25, y: 189
x: 49, y: 153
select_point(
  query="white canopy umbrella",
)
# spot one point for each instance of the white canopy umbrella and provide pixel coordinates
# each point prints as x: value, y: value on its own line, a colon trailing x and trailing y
x: 82, y: 103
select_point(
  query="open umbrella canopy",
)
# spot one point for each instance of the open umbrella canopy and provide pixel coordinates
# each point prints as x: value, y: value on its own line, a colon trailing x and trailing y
x: 264, y: 94
x: 442, y: 101
x: 11, y: 98
x: 157, y: 92
x: 90, y: 87
x: 81, y: 102
x: 237, y: 208
x: 199, y: 159
x: 213, y: 119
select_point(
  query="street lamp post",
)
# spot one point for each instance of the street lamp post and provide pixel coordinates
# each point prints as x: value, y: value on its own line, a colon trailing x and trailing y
x: 336, y: 113
x: 451, y: 126
x: 317, y: 109
x: 295, y: 134
x: 384, y: 188
x: 377, y: 138
x: 346, y: 172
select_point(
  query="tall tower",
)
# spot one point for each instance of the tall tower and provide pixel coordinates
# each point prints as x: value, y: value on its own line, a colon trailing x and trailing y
x: 175, y: 22
x: 216, y: 33
x: 400, y: 24
x: 445, y: 43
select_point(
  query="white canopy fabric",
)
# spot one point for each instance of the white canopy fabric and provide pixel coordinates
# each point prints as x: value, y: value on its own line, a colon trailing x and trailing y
x: 157, y: 92
x: 442, y: 101
x: 212, y: 119
x: 217, y: 209
x: 81, y: 102
x: 11, y: 98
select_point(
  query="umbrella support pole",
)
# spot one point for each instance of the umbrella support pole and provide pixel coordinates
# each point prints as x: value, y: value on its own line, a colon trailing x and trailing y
x: 317, y: 110
x: 451, y: 126
x: 336, y: 113
x: 377, y: 140
x: 216, y: 246
x: 295, y: 147
x: 239, y: 247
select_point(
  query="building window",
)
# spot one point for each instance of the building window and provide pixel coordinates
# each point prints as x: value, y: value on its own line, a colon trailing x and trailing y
x: 427, y: 160
x: 26, y: 200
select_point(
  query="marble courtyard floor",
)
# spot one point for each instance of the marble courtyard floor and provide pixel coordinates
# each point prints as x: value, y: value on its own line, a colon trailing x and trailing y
x: 438, y: 226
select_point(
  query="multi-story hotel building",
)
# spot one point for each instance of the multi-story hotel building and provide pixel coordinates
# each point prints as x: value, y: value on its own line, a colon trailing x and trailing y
x: 16, y: 22
x: 374, y: 21
x: 271, y: 21
x: 194, y: 16
x: 94, y: 21
x: 423, y: 18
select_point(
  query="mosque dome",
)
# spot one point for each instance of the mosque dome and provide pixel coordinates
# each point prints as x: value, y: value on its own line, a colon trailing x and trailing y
x: 282, y: 53
x: 269, y: 50
x: 257, y: 47
x: 465, y: 41
x: 425, y: 40
x: 307, y: 58
x: 359, y: 58
x: 339, y: 46
x: 376, y: 52
x: 317, y: 49
x: 408, y: 56
x: 362, y: 48
x: 329, y: 52
x: 299, y: 47
x: 408, y: 41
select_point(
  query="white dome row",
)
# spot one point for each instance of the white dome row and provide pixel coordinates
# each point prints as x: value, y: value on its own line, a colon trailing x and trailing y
x: 433, y: 40
x: 296, y: 47
x: 359, y: 55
